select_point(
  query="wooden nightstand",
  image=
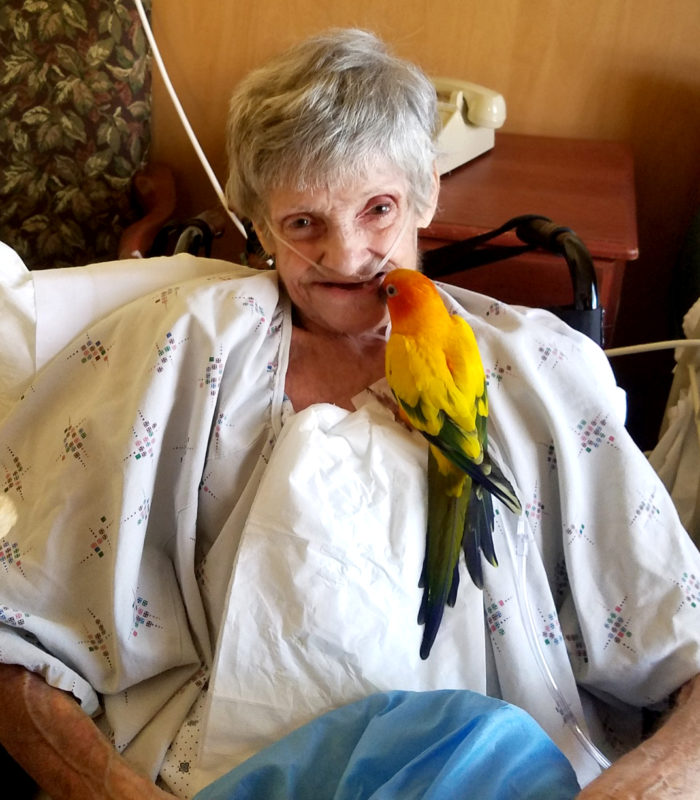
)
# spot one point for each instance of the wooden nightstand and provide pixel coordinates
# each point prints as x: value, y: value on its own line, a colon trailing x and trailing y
x: 587, y: 186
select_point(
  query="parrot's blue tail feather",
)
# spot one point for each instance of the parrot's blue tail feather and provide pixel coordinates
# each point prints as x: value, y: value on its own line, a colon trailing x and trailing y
x: 478, y: 535
x: 472, y: 556
x: 452, y: 596
x: 431, y: 611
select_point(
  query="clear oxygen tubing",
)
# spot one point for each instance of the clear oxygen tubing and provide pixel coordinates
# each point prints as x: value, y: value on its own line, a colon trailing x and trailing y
x: 669, y: 344
x: 519, y: 558
x: 183, y: 117
x: 385, y: 258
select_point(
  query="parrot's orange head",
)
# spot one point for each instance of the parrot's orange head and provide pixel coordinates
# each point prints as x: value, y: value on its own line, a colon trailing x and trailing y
x: 412, y: 300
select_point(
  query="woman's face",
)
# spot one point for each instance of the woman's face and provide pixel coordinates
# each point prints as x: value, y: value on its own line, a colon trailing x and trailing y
x: 346, y: 232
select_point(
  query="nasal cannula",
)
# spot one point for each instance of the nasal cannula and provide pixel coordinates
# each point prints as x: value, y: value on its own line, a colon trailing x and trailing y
x: 389, y: 253
x: 520, y: 556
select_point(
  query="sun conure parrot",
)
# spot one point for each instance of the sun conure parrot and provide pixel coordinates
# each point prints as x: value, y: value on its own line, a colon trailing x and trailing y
x: 435, y: 371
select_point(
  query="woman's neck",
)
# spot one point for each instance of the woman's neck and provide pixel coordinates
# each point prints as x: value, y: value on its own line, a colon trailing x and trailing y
x: 331, y: 368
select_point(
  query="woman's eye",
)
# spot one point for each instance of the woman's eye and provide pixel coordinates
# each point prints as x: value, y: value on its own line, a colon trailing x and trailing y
x: 381, y: 212
x: 298, y: 227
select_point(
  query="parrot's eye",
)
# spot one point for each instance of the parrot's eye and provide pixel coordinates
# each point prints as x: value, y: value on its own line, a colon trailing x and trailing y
x: 391, y: 290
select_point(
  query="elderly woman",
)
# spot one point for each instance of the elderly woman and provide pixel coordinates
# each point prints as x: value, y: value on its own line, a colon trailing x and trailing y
x: 332, y: 157
x: 215, y: 534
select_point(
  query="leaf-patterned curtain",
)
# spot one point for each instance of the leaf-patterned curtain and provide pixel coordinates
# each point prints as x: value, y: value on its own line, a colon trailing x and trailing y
x: 75, y: 102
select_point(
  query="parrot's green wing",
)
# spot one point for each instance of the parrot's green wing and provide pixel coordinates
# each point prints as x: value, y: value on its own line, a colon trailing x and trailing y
x: 447, y: 517
x: 486, y: 473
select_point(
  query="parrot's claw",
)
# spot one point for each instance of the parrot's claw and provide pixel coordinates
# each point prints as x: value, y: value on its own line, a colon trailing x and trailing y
x: 393, y: 406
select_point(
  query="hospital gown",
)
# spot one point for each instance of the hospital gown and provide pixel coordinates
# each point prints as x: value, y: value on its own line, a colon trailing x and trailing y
x: 195, y: 562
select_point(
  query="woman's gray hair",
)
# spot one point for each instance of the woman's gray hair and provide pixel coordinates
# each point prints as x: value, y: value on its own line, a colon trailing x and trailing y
x: 322, y: 113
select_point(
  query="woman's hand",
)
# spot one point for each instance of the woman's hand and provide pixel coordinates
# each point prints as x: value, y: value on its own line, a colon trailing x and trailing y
x: 667, y: 765
x: 60, y: 747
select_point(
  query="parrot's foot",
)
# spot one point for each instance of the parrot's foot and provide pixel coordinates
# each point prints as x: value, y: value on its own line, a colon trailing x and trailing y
x: 393, y: 406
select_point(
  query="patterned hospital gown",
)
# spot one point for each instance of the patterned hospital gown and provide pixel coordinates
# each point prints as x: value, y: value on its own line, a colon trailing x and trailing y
x: 184, y: 553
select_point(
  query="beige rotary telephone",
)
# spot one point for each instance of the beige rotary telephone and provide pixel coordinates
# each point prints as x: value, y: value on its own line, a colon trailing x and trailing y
x: 469, y: 114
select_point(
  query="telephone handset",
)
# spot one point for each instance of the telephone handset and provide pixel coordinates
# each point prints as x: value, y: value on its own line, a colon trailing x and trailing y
x: 469, y: 113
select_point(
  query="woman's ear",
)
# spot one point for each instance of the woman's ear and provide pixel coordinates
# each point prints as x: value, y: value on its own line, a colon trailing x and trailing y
x: 426, y: 217
x: 265, y: 238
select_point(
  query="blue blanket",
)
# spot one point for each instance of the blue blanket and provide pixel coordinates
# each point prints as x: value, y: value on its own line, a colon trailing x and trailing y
x: 405, y: 745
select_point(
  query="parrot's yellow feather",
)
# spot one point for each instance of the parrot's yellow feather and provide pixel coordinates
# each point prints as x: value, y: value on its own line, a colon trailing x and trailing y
x: 437, y: 372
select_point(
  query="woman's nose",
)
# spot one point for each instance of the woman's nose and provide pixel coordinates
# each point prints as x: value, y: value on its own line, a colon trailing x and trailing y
x: 346, y: 250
